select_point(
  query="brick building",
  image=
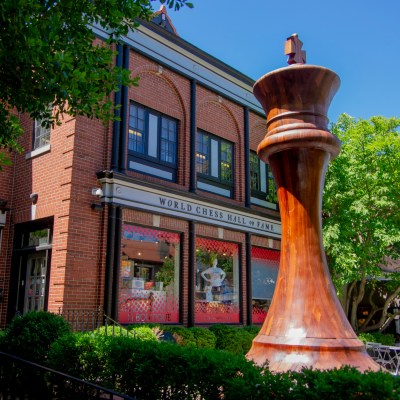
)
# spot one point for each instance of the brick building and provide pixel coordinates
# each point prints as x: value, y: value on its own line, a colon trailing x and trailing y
x: 166, y: 216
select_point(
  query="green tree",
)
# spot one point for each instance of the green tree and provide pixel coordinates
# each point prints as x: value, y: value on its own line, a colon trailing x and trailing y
x: 361, y: 216
x: 50, y: 63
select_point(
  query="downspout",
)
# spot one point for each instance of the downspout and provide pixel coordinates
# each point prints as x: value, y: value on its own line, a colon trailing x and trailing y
x: 117, y: 263
x: 124, y: 113
x: 117, y: 113
x: 191, y: 274
x: 108, y: 283
x: 192, y: 186
x: 249, y: 286
x: 247, y: 192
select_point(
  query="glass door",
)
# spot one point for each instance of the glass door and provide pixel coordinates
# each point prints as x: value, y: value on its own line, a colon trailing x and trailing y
x: 35, y: 287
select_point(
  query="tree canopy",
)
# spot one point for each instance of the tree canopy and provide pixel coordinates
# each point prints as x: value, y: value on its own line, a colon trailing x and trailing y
x: 49, y: 59
x: 361, y: 213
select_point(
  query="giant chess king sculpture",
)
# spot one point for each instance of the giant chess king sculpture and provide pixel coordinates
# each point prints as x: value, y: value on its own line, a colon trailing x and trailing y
x: 305, y: 325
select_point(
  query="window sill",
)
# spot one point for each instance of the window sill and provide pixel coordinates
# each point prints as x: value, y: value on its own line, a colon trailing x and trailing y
x: 37, y: 152
x: 263, y: 203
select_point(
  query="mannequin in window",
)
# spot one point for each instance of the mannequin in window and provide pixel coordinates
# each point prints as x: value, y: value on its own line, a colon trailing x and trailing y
x: 214, y: 276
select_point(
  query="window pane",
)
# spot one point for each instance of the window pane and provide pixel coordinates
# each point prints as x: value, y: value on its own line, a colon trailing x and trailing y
x: 153, y: 135
x: 202, y: 154
x: 168, y: 140
x: 136, y: 138
x: 214, y: 158
x: 254, y: 171
x: 149, y: 280
x: 272, y: 195
x: 226, y: 161
x: 263, y: 176
x: 217, y: 282
x: 264, y: 272
x: 42, y: 135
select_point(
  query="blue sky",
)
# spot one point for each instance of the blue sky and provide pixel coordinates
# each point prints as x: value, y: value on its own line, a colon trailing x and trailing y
x: 359, y: 40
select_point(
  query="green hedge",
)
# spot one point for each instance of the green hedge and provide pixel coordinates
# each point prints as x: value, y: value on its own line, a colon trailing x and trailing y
x: 166, y: 371
x: 233, y: 339
x: 386, y: 339
x: 30, y: 336
x: 152, y: 370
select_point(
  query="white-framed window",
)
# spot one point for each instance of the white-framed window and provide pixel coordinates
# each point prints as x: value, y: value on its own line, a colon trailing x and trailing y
x: 262, y: 183
x: 152, y: 142
x: 41, y: 134
x: 214, y: 164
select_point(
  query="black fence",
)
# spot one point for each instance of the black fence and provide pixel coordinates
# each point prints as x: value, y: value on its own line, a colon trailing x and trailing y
x: 24, y: 380
x: 82, y: 320
x: 87, y: 320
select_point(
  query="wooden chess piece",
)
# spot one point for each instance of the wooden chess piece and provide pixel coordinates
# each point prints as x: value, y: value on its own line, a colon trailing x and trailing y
x: 305, y: 325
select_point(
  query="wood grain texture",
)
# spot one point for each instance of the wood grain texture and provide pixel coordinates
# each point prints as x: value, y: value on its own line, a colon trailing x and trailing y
x: 305, y: 325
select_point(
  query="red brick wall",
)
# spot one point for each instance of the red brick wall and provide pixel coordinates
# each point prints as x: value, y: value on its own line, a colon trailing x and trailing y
x: 64, y: 178
x: 225, y: 119
x: 81, y: 261
x: 169, y: 93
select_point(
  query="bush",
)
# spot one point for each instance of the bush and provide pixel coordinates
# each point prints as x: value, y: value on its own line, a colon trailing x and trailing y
x: 386, y: 339
x: 31, y: 335
x: 233, y: 339
x: 82, y: 355
x: 253, y: 330
x: 138, y: 332
x: 204, y: 338
x: 182, y: 336
x: 150, y: 370
x: 165, y: 371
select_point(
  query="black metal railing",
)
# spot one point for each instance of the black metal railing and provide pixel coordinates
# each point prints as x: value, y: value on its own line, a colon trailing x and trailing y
x: 86, y: 320
x: 22, y: 379
x: 82, y: 320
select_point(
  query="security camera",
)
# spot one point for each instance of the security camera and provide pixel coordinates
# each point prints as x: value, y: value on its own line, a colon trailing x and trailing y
x: 97, y: 192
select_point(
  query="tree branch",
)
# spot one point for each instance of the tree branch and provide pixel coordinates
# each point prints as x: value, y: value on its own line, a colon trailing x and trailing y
x: 382, y: 321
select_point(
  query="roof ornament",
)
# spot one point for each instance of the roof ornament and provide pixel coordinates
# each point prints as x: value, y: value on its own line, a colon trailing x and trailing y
x: 293, y: 50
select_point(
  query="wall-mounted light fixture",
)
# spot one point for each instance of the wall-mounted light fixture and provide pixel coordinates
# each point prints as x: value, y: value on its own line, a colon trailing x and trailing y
x: 98, y: 192
x: 34, y: 197
x: 97, y: 207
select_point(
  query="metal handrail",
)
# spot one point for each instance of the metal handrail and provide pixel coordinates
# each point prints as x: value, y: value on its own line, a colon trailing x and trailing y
x: 60, y: 384
x: 83, y: 320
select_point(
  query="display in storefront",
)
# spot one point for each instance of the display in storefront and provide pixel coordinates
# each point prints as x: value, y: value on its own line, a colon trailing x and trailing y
x: 149, y: 286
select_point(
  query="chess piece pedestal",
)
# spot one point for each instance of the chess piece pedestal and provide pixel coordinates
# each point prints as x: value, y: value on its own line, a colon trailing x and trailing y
x: 305, y: 325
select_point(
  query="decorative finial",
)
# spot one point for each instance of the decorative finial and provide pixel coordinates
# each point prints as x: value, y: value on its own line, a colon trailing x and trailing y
x: 293, y: 49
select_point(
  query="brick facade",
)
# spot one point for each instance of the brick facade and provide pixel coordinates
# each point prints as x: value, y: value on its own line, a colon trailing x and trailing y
x: 83, y: 254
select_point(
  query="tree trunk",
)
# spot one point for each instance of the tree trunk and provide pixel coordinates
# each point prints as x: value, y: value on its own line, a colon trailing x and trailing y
x: 383, y: 320
x: 355, y: 303
x: 348, y: 298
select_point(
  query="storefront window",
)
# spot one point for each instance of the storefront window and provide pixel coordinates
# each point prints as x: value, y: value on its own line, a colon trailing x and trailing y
x: 217, y: 282
x: 149, y: 285
x: 264, y: 272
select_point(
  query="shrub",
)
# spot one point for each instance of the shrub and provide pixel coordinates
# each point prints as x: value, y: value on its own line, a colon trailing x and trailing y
x: 138, y: 332
x: 253, y: 330
x: 233, y: 339
x: 31, y: 335
x: 344, y: 383
x: 182, y: 336
x: 165, y: 371
x: 386, y: 339
x: 85, y: 356
x: 150, y: 370
x: 145, y: 333
x: 204, y: 338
